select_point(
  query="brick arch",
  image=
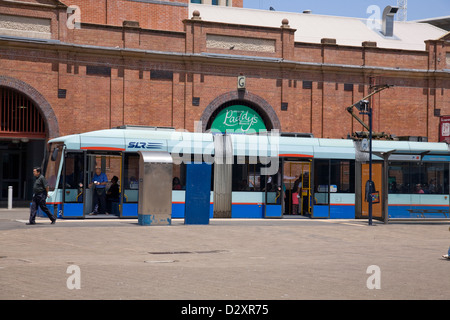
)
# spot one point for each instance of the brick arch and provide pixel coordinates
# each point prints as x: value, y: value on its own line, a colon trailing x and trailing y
x: 50, y: 120
x: 260, y: 105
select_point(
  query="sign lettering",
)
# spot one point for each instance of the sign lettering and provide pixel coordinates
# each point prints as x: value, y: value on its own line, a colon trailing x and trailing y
x: 238, y: 119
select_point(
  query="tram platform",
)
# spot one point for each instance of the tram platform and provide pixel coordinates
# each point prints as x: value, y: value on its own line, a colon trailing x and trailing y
x: 229, y: 259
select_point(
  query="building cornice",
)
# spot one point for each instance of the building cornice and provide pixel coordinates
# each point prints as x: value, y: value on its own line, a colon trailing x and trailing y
x: 255, y: 62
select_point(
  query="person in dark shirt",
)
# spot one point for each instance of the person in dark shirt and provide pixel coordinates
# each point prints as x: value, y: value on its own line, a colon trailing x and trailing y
x: 40, y: 192
x: 113, y: 191
x: 113, y: 194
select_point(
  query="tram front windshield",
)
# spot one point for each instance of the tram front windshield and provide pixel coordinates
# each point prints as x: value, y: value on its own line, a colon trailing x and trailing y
x: 51, y: 164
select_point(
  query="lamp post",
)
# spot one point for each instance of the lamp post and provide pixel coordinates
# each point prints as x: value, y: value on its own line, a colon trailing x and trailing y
x: 364, y: 107
x: 369, y: 113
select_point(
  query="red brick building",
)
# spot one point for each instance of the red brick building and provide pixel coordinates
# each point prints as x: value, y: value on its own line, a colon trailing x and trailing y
x: 79, y: 65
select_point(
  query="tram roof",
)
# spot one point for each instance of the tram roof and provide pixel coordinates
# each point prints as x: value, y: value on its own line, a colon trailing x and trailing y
x: 410, y: 147
x: 171, y: 140
x: 411, y: 150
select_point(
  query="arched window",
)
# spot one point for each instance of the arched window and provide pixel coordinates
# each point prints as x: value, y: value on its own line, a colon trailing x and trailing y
x: 19, y: 117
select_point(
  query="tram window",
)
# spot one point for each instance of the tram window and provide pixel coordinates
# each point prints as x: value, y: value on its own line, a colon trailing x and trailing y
x: 436, y: 175
x: 322, y: 181
x: 51, y: 172
x: 73, y: 177
x: 131, y: 177
x: 398, y: 177
x: 179, y: 177
x: 418, y: 177
x: 247, y: 177
x: 343, y: 175
x: 179, y: 174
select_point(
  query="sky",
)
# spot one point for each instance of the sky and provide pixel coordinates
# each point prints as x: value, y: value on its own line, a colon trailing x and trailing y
x: 417, y: 9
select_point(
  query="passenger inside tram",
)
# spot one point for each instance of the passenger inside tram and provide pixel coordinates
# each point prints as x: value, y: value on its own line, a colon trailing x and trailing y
x: 176, y: 184
x: 113, y: 196
x: 295, y: 197
x: 244, y: 186
x: 418, y: 188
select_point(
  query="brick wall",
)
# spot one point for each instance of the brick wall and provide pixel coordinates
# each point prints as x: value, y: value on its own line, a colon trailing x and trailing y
x: 317, y: 81
x: 150, y: 15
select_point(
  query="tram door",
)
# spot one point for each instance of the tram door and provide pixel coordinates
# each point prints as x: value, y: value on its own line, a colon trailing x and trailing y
x: 73, y: 184
x: 297, y: 181
x: 78, y: 171
x: 273, y: 193
x: 377, y: 194
x: 111, y: 166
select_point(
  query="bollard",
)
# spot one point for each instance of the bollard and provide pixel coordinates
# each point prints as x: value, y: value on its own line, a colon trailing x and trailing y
x: 10, y: 196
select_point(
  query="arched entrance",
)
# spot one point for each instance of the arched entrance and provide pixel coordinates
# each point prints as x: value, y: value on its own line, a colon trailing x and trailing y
x: 26, y: 121
x: 258, y: 105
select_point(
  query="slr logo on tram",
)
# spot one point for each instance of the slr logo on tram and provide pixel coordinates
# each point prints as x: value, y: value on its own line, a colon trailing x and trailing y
x: 144, y: 145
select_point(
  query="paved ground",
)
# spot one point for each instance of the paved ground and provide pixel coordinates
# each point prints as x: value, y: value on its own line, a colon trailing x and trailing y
x: 277, y: 259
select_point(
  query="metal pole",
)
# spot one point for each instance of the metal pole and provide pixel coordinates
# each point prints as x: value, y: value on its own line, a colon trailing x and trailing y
x: 10, y: 197
x: 370, y: 165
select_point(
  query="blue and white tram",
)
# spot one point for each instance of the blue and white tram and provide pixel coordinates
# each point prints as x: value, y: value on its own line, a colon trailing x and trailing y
x: 267, y: 176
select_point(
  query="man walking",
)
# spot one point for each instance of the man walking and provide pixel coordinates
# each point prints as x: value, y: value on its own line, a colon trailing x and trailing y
x: 40, y: 191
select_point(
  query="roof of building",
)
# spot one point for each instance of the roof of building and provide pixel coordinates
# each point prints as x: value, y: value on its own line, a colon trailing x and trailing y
x: 441, y: 22
x: 311, y: 28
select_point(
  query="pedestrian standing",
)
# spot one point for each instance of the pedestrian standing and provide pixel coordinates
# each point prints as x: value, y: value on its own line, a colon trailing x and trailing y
x: 40, y: 193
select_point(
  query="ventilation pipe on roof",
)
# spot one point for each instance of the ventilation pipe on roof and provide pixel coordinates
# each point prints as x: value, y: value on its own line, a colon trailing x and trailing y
x: 388, y: 21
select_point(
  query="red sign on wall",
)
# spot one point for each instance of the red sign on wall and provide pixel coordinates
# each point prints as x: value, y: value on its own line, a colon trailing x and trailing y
x: 444, y: 129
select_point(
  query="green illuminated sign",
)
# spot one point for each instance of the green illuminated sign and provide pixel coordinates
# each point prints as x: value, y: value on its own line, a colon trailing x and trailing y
x: 238, y: 119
